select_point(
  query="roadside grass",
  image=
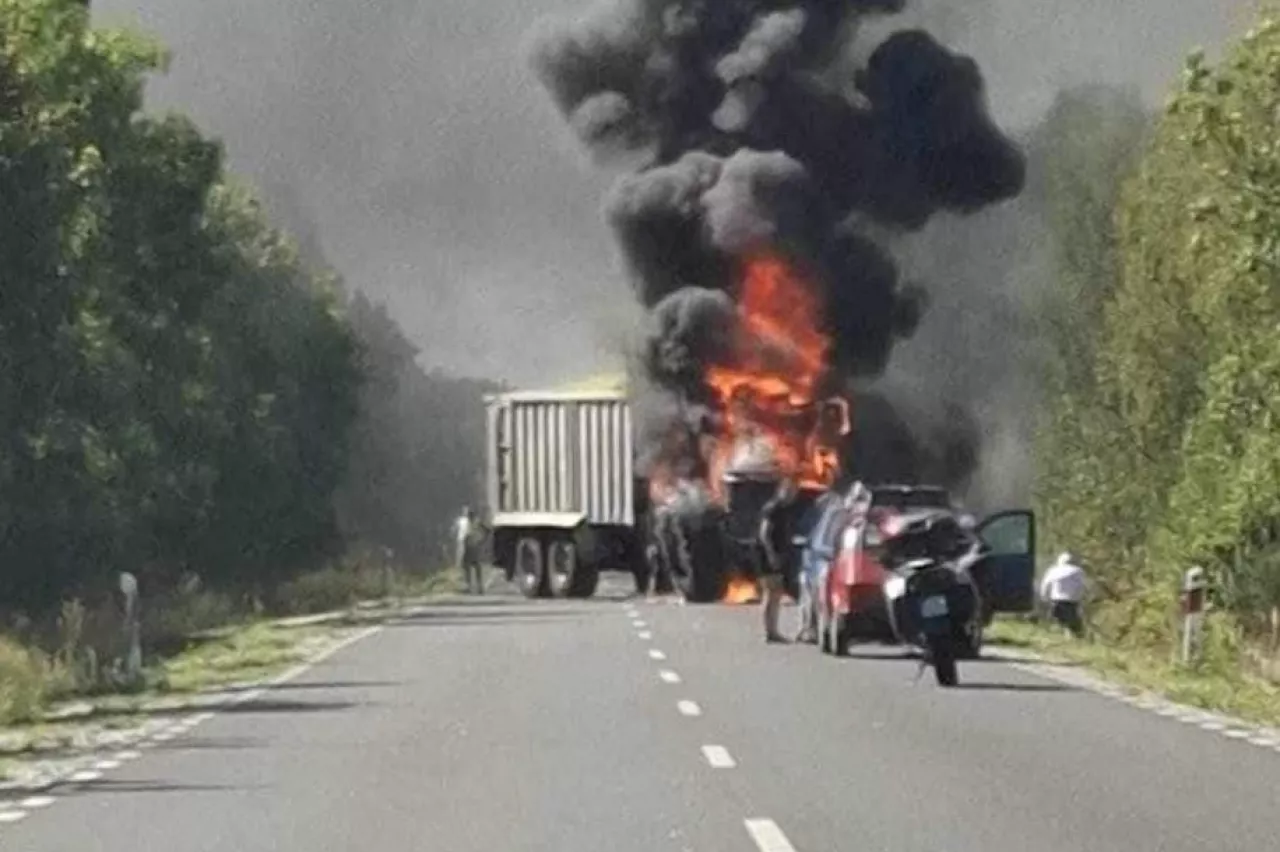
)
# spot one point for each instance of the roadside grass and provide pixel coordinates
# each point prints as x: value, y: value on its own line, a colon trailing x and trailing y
x: 248, y: 653
x: 199, y: 643
x: 1234, y: 692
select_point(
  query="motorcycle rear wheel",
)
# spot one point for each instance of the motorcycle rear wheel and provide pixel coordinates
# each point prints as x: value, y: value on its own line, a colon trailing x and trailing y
x: 944, y: 663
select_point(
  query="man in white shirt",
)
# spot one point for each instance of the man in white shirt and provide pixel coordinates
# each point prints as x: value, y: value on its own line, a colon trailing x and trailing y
x: 1063, y: 588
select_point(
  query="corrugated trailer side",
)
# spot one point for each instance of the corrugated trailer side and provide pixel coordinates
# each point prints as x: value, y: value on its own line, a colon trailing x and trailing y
x: 554, y: 454
x: 561, y: 486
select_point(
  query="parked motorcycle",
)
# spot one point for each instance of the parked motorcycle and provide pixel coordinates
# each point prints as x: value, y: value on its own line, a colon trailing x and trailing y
x: 931, y: 598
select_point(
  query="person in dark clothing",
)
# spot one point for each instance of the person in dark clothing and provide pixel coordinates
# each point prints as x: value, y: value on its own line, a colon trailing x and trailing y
x: 778, y: 523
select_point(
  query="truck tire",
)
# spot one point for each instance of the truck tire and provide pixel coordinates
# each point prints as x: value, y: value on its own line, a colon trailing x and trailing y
x: 529, y: 567
x: 562, y: 566
x: 702, y: 554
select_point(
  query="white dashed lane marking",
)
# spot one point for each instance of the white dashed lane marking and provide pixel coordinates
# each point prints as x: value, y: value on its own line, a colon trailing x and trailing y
x: 718, y: 757
x: 33, y: 803
x: 689, y: 708
x: 655, y: 654
x: 85, y: 776
x: 639, y: 624
x: 11, y: 816
x: 645, y: 635
x: 767, y: 835
x: 669, y: 676
x: 107, y: 764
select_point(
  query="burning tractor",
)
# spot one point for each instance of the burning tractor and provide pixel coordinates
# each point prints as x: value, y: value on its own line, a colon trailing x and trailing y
x: 706, y: 539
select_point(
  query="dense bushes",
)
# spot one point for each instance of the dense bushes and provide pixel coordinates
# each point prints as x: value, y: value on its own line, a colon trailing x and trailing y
x: 1165, y: 450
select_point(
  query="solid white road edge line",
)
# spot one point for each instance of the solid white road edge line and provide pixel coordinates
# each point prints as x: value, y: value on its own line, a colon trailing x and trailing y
x: 718, y: 757
x: 190, y: 721
x: 669, y: 676
x: 689, y: 708
x: 767, y: 835
x: 655, y: 654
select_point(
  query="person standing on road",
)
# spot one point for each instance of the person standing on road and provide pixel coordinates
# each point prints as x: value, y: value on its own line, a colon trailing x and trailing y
x: 468, y: 551
x: 1063, y: 588
x: 778, y: 523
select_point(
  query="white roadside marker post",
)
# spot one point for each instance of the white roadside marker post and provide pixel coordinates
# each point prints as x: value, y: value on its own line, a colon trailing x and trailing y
x: 1193, y: 593
x: 132, y: 629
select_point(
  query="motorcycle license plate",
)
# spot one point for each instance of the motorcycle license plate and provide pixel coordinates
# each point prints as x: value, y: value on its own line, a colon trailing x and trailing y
x: 934, y: 606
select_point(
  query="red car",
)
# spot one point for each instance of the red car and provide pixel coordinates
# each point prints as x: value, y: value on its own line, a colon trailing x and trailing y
x: 849, y: 600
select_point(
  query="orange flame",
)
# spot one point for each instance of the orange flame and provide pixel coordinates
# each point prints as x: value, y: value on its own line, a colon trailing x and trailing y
x: 740, y: 590
x: 768, y: 395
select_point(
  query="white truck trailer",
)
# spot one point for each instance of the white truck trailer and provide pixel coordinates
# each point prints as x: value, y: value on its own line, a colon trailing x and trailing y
x: 564, y: 499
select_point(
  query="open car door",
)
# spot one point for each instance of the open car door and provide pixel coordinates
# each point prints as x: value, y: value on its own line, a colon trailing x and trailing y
x: 1007, y: 575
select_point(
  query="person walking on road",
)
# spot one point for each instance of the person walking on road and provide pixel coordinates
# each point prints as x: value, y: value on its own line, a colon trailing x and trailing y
x: 468, y: 551
x: 1063, y: 589
x: 778, y: 523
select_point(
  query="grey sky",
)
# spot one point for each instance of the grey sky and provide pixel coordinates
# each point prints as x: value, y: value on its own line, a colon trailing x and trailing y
x: 439, y: 179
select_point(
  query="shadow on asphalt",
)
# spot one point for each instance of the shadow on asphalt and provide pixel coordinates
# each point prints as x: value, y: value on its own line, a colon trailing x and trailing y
x: 110, y: 786
x: 540, y: 612
x: 1015, y: 687
x: 488, y: 620
x: 490, y: 616
x: 322, y: 684
x: 284, y: 705
x: 203, y: 743
x: 915, y: 655
x: 517, y: 599
x: 1026, y: 661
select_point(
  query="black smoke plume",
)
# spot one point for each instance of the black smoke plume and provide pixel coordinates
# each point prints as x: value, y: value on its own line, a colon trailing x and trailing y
x: 749, y: 135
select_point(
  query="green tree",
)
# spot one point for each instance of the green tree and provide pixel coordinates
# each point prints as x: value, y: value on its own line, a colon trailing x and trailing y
x: 176, y: 391
x: 1087, y: 145
x: 1175, y: 456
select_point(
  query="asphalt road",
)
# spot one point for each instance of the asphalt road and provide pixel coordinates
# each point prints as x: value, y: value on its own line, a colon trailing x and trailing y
x: 498, y: 724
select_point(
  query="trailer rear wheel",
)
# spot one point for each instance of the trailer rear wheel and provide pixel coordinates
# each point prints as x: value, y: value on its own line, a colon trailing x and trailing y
x: 529, y: 567
x: 562, y: 564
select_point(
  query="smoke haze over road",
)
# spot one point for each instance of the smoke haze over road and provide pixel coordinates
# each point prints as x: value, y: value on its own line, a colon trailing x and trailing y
x: 414, y: 141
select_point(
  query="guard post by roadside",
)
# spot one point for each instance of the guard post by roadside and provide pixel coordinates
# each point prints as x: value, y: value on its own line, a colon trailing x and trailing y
x: 1192, y: 600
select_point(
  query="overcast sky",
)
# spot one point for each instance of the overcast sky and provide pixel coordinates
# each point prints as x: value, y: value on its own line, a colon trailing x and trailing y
x: 439, y: 180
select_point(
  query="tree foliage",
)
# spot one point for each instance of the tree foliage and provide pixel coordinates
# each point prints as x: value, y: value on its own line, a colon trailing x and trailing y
x: 176, y: 391
x: 1166, y: 453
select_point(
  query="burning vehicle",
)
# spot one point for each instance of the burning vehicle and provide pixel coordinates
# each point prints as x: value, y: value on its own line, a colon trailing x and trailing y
x: 766, y: 167
x: 764, y: 176
x: 568, y: 503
